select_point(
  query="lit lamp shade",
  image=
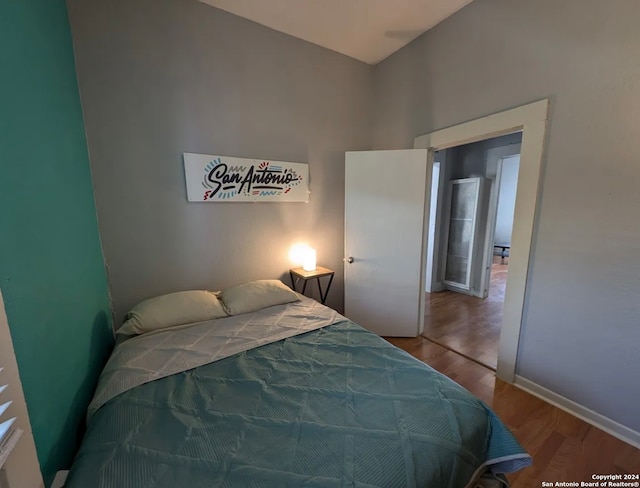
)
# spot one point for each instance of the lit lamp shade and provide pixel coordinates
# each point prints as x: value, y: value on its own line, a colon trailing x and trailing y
x: 309, y: 260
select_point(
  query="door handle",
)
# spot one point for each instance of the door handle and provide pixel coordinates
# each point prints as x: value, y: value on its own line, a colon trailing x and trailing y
x: 349, y: 260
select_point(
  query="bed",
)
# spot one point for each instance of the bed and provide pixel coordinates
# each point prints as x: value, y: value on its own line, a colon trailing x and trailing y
x: 289, y: 394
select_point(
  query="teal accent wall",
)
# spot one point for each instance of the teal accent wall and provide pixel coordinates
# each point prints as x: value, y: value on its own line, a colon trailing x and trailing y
x: 52, y: 273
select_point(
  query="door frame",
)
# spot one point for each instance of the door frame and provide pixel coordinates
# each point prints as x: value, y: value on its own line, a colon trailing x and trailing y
x: 500, y: 153
x: 531, y: 119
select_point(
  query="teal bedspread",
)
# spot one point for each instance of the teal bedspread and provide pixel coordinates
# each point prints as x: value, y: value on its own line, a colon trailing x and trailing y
x: 338, y: 406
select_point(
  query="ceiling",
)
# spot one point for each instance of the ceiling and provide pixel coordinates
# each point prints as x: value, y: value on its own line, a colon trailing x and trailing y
x: 368, y: 30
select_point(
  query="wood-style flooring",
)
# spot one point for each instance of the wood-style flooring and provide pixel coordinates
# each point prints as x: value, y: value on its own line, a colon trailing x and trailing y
x: 563, y: 447
x: 469, y: 325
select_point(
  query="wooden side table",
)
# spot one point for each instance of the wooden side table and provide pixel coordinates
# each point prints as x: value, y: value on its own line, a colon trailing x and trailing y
x: 300, y: 274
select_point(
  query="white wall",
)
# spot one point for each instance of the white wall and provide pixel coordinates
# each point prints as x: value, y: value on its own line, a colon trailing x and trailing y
x: 506, y: 199
x: 580, y: 331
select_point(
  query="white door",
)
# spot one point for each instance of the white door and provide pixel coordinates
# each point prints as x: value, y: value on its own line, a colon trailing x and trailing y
x: 386, y: 195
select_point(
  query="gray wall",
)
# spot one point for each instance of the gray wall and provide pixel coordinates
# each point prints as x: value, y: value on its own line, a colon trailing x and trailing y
x: 471, y: 159
x: 163, y: 77
x: 580, y: 332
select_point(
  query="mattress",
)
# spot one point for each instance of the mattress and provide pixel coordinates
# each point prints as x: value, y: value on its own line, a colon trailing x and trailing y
x: 323, y: 404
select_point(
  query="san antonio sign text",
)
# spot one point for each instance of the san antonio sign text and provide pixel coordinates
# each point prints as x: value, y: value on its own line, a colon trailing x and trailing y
x: 213, y: 178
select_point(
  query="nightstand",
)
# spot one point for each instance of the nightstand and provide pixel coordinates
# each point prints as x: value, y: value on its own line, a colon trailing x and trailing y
x: 320, y: 272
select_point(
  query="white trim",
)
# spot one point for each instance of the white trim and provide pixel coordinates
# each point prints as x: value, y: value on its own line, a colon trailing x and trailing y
x: 494, y: 125
x: 431, y: 274
x: 425, y: 231
x: 532, y: 120
x: 440, y: 221
x: 612, y: 427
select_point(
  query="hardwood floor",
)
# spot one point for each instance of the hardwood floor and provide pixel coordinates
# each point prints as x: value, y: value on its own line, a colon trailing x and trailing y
x: 563, y: 447
x: 466, y: 324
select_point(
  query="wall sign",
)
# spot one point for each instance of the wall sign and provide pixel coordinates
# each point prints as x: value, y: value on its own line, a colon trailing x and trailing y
x: 226, y: 179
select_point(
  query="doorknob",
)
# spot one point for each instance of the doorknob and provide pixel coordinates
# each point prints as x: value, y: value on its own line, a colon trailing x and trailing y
x: 349, y: 260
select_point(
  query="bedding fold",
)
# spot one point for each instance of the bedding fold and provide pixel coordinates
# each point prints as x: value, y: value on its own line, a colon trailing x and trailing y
x: 168, y: 351
x: 329, y: 405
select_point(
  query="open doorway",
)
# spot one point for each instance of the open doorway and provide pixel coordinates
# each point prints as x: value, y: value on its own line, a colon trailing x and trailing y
x: 532, y: 120
x: 471, y: 217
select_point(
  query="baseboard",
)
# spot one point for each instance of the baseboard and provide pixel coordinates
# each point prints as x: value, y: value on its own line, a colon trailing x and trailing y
x: 612, y: 427
x: 436, y: 287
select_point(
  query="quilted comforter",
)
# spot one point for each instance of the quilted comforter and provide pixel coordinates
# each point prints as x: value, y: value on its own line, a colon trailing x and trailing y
x: 329, y: 404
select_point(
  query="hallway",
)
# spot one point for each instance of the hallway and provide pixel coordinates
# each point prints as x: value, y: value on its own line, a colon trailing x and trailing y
x: 469, y: 325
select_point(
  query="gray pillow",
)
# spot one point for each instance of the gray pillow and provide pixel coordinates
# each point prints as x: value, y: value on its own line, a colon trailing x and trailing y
x: 183, y: 307
x: 256, y: 295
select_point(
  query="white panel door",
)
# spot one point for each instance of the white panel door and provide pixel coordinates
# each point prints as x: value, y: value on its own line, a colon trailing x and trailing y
x: 386, y: 195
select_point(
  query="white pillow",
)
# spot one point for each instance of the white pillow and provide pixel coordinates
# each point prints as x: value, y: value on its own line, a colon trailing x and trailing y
x: 183, y: 307
x: 256, y: 295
